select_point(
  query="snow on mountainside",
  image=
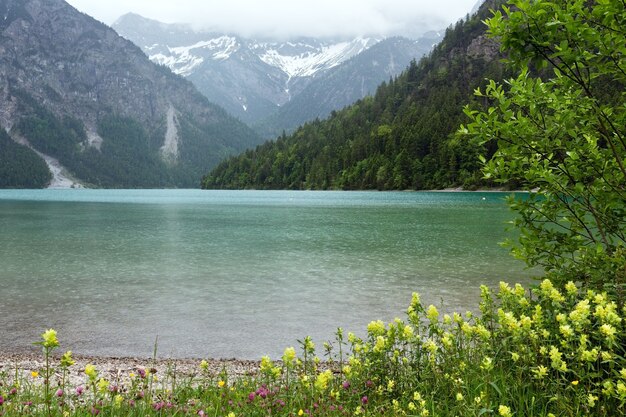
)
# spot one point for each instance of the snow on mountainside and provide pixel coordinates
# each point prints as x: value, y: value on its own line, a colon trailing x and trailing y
x: 305, y: 60
x: 182, y: 60
x: 299, y: 59
x: 252, y: 79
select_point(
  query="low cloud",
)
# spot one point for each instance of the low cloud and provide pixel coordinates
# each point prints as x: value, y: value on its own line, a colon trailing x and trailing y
x: 294, y: 18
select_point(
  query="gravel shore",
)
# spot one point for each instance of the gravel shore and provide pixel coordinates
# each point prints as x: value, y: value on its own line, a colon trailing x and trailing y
x: 119, y: 369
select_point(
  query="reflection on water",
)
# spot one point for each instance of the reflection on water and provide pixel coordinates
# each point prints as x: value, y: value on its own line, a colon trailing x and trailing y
x: 235, y: 273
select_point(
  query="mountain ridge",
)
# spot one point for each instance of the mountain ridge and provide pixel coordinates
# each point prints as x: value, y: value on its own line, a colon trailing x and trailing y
x: 251, y: 78
x: 402, y: 137
x: 74, y: 90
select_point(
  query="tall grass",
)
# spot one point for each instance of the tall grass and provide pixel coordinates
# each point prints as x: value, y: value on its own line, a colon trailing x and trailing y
x: 545, y: 352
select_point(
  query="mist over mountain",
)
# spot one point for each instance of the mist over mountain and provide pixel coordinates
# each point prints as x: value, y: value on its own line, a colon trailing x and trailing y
x: 257, y: 80
x: 97, y: 110
x: 401, y: 137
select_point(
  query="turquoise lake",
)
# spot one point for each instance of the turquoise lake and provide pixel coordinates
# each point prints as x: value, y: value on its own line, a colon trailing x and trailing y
x: 236, y: 273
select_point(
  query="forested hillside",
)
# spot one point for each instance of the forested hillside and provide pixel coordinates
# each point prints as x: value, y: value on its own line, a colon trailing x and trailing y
x: 74, y: 91
x: 400, y: 138
x: 21, y: 167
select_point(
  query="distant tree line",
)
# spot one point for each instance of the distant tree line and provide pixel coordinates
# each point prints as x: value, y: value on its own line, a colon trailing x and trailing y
x: 20, y: 166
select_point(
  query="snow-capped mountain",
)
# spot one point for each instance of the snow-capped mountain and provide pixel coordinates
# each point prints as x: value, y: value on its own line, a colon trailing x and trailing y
x: 183, y: 60
x: 305, y: 59
x: 252, y: 79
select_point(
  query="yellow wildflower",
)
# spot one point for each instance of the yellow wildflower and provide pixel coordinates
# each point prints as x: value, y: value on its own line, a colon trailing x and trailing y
x: 309, y: 346
x: 407, y: 332
x: 504, y: 411
x: 323, y: 379
x: 540, y: 371
x: 457, y: 317
x: 91, y: 371
x: 459, y: 396
x: 591, y: 400
x: 571, y: 288
x: 34, y: 374
x: 430, y: 346
x: 300, y: 412
x: 608, y: 387
x: 432, y: 314
x: 556, y: 358
x: 376, y: 328
x: 49, y: 339
x: 118, y: 399
x: 380, y: 344
x: 566, y: 330
x: 268, y: 368
x: 231, y: 414
x: 289, y: 356
x: 575, y: 382
x: 221, y: 383
x: 204, y: 365
x: 66, y: 359
x: 609, y: 331
x: 482, y: 331
x: 600, y: 299
x: 487, y: 364
x: 103, y: 384
x: 504, y: 288
x: 519, y: 290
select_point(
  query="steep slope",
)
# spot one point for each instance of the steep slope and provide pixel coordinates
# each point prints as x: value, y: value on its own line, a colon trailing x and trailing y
x: 75, y: 91
x: 251, y: 78
x: 400, y: 138
x: 352, y: 80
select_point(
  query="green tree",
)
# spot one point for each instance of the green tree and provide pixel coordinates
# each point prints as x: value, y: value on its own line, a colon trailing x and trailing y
x: 561, y: 131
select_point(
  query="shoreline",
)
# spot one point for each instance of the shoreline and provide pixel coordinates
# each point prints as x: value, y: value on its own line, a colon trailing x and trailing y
x: 120, y: 369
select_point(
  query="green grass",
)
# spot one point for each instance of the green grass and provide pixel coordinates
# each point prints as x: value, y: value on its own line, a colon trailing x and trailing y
x: 545, y: 352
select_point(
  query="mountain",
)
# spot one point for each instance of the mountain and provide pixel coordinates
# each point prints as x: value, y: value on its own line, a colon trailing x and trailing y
x: 402, y: 137
x: 354, y: 79
x: 97, y: 110
x: 253, y: 79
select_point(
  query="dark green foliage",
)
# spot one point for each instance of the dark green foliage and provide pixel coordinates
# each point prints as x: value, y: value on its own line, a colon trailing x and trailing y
x: 563, y: 135
x: 52, y: 136
x: 20, y: 167
x: 401, y: 138
x: 126, y: 157
x: 130, y: 154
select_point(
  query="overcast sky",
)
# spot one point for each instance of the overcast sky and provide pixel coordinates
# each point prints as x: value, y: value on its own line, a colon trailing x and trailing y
x: 291, y: 18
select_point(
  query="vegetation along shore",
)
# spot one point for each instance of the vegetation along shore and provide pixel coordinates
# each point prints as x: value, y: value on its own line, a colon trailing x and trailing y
x: 556, y: 349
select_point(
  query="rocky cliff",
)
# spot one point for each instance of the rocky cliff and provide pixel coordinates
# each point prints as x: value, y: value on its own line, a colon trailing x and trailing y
x: 71, y: 88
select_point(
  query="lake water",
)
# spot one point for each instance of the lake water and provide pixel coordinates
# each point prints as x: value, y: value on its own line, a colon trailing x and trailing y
x: 236, y: 273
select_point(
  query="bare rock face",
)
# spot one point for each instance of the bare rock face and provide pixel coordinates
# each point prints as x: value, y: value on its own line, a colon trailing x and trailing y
x: 58, y: 64
x: 483, y: 47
